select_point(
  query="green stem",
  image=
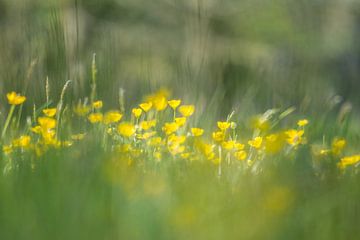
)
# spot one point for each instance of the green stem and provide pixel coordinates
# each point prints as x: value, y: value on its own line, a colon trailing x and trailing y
x: 7, y: 122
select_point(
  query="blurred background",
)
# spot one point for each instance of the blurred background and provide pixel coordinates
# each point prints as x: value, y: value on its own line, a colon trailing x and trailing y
x: 248, y: 55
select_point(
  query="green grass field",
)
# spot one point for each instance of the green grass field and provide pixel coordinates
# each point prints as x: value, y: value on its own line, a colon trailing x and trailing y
x: 165, y: 119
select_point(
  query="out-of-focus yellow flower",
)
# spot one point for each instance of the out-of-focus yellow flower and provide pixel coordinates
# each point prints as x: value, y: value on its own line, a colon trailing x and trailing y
x: 197, y: 132
x: 174, y: 103
x: 146, y: 106
x: 156, y: 141
x: 159, y: 99
x: 303, y: 122
x: 112, y: 117
x: 97, y: 104
x: 136, y: 112
x: 95, y: 117
x: 15, y: 98
x: 228, y: 145
x: 46, y: 122
x: 256, y: 142
x: 175, y: 149
x: 274, y: 143
x: 239, y: 146
x: 146, y: 125
x: 157, y: 156
x: 7, y: 149
x: 147, y: 135
x: 241, y: 155
x: 294, y: 137
x: 170, y: 128
x: 36, y: 129
x: 259, y: 123
x: 126, y: 129
x: 348, y: 161
x: 185, y: 155
x: 187, y: 110
x: 49, y: 112
x: 81, y: 110
x: 176, y: 139
x: 223, y: 125
x: 338, y: 146
x: 218, y: 136
x: 23, y: 141
x: 180, y: 121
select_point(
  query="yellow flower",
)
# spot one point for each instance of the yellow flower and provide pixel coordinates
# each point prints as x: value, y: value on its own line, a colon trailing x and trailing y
x: 256, y: 142
x: 185, y: 155
x: 228, y: 145
x: 223, y: 125
x: 15, y: 99
x: 239, y: 146
x: 173, y: 139
x: 241, y: 155
x: 147, y: 135
x: 23, y: 141
x: 218, y: 136
x: 170, y: 128
x: 180, y: 121
x: 294, y: 137
x: 49, y: 112
x: 7, y: 149
x: 156, y: 141
x: 174, y: 103
x: 146, y: 125
x: 137, y: 112
x: 81, y: 110
x: 158, y: 99
x: 36, y: 129
x: 47, y: 123
x: 187, y: 110
x: 197, y: 132
x: 302, y: 123
x: 112, y: 117
x: 126, y: 129
x: 146, y: 106
x: 97, y: 104
x: 95, y: 117
x: 338, y: 145
x: 274, y: 143
x: 259, y: 123
x: 348, y: 161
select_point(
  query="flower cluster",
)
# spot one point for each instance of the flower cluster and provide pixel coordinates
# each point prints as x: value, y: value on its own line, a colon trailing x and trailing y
x: 161, y: 129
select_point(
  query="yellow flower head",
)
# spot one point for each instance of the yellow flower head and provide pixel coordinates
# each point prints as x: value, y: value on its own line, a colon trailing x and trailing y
x: 112, y: 117
x: 180, y: 121
x: 49, y: 112
x: 137, y: 112
x: 95, y: 117
x: 158, y: 99
x: 239, y: 146
x: 97, y: 104
x: 170, y: 128
x: 174, y: 103
x: 197, y: 132
x: 156, y: 141
x: 15, y: 99
x: 338, y: 145
x: 294, y: 137
x: 259, y: 123
x: 146, y: 106
x: 274, y: 143
x: 256, y: 142
x: 303, y: 122
x: 47, y: 123
x: 228, y: 145
x: 187, y: 110
x: 126, y: 129
x: 146, y: 125
x: 241, y: 155
x: 218, y: 136
x: 23, y: 141
x: 348, y: 161
x: 81, y: 110
x: 223, y: 125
